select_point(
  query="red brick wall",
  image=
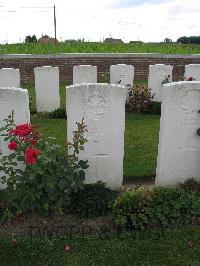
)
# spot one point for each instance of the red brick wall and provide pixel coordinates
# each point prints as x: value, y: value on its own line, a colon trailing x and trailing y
x: 65, y: 62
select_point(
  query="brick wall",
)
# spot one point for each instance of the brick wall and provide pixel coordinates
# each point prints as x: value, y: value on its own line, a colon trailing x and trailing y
x: 65, y: 62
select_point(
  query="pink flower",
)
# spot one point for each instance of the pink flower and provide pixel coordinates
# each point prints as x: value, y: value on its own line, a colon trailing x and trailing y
x: 67, y: 248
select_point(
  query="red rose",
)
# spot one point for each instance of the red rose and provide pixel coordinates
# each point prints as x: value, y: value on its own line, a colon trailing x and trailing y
x: 21, y: 130
x: 12, y: 146
x: 31, y: 155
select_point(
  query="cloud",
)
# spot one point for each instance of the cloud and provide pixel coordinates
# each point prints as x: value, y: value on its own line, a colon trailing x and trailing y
x: 132, y: 3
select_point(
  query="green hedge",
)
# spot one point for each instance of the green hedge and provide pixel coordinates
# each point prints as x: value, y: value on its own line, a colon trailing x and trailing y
x: 156, y: 207
x: 92, y: 201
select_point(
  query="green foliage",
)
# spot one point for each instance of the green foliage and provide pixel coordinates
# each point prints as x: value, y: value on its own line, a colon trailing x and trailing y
x: 97, y: 47
x: 145, y: 208
x: 105, y: 77
x: 167, y: 40
x: 30, y: 39
x: 139, y: 99
x: 92, y: 201
x: 56, y: 114
x: 189, y: 40
x: 3, y: 201
x: 155, y: 108
x: 191, y: 185
x: 44, y: 184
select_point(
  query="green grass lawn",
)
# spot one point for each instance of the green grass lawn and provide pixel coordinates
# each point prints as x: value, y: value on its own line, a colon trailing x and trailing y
x: 141, y: 136
x: 141, y: 141
x: 95, y: 47
x: 142, y: 248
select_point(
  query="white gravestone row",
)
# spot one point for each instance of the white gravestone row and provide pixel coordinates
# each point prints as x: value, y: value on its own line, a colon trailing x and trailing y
x: 179, y: 144
x: 13, y: 100
x: 9, y: 77
x: 47, y: 88
x: 158, y: 73
x: 103, y: 109
x: 122, y: 74
x: 192, y: 70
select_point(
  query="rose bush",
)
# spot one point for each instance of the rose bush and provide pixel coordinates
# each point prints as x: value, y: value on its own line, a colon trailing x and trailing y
x: 37, y: 175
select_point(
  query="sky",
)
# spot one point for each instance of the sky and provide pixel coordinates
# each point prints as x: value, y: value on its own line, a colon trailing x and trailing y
x: 95, y: 20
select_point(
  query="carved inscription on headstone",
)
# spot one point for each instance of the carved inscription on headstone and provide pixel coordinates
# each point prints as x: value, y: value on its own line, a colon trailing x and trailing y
x: 179, y: 145
x: 103, y: 108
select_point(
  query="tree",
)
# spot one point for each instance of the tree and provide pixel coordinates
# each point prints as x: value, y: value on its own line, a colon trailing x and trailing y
x: 190, y: 39
x: 30, y: 39
x: 167, y: 40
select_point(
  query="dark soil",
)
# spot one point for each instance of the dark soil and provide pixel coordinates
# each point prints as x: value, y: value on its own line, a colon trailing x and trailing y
x: 64, y: 224
x: 56, y: 225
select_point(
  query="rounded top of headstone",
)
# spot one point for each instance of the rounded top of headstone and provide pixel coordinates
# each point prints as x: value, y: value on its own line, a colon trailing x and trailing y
x: 121, y: 65
x: 84, y: 66
x: 161, y: 66
x: 95, y: 85
x: 182, y: 83
x: 11, y: 90
x: 46, y: 68
x: 191, y: 65
x: 9, y: 68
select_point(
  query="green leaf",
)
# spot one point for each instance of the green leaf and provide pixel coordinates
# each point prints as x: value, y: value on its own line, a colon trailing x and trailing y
x: 46, y: 206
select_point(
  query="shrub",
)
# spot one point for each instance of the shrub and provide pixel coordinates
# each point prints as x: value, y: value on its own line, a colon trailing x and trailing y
x: 139, y: 99
x: 3, y: 201
x: 157, y: 207
x: 58, y: 114
x: 92, y: 201
x: 155, y: 108
x: 47, y: 177
x: 191, y: 185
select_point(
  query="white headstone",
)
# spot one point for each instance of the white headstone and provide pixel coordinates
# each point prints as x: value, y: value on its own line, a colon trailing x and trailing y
x: 192, y: 71
x: 157, y: 74
x: 179, y: 144
x: 122, y: 74
x: 47, y: 88
x: 84, y: 74
x: 103, y: 109
x: 13, y: 100
x: 9, y: 77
